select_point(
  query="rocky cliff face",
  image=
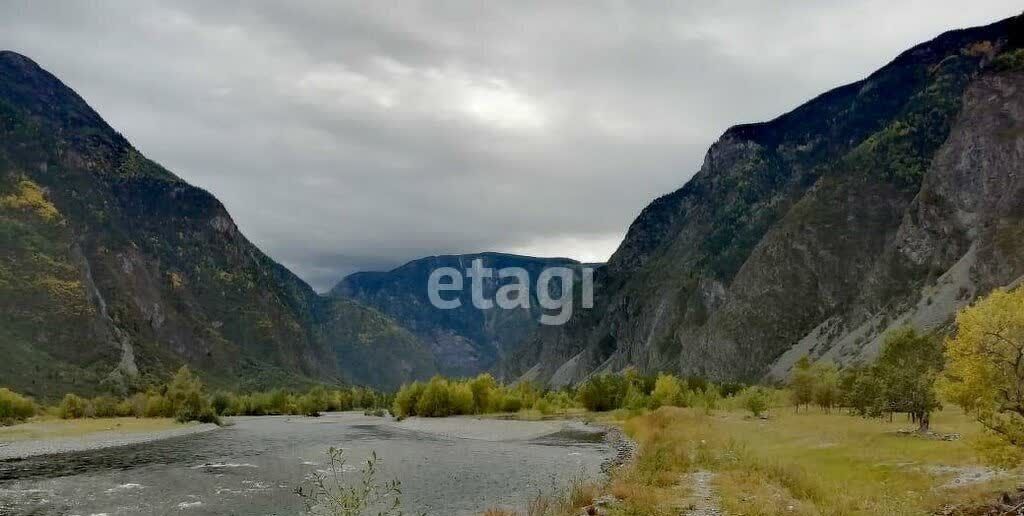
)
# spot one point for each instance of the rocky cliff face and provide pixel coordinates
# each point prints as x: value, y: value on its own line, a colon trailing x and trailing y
x: 113, y: 271
x: 893, y: 200
x: 464, y: 340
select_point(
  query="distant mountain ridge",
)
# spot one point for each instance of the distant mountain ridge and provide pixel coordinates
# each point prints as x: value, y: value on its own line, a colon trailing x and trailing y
x: 893, y: 200
x: 114, y: 271
x: 465, y: 340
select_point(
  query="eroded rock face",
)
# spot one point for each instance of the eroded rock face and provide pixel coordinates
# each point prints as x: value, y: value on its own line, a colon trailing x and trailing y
x: 893, y: 200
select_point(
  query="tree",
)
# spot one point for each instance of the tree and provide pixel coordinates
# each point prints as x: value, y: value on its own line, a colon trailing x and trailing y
x: 187, y: 400
x: 435, y: 400
x: 801, y: 383
x: 407, y: 399
x: 862, y: 391
x: 985, y: 363
x: 668, y: 390
x: 908, y: 368
x: 825, y: 385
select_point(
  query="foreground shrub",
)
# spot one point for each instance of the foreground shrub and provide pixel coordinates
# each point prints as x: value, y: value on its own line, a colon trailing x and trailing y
x: 330, y: 492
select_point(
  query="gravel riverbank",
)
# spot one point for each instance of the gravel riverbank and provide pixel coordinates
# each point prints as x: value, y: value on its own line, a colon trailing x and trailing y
x: 93, y: 441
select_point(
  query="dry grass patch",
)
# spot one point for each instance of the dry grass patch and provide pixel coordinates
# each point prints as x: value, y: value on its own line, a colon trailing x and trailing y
x: 810, y: 463
x: 65, y: 428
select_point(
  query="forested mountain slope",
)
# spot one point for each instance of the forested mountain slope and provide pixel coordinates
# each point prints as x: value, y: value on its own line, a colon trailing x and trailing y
x: 114, y: 271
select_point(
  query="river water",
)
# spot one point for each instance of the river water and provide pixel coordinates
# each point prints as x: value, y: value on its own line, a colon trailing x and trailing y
x: 447, y: 467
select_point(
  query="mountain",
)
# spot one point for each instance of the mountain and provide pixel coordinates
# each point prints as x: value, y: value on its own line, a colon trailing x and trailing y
x: 893, y: 200
x: 464, y: 340
x: 114, y: 271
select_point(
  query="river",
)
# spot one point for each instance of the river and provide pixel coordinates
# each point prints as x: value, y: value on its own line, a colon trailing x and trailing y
x: 455, y: 466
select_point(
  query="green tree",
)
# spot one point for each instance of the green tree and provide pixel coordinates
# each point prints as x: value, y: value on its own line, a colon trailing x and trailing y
x: 908, y: 367
x: 862, y: 391
x: 187, y: 399
x: 801, y: 382
x: 406, y: 399
x: 435, y: 400
x: 668, y: 390
x: 985, y: 363
x: 825, y: 392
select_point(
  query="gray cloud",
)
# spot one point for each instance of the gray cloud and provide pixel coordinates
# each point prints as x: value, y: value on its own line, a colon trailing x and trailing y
x: 345, y: 136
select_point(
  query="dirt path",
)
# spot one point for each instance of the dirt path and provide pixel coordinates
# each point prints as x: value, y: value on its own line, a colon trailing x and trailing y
x: 702, y: 499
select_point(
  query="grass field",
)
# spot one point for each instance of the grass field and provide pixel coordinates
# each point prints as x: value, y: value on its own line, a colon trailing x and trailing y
x: 807, y: 463
x: 52, y: 428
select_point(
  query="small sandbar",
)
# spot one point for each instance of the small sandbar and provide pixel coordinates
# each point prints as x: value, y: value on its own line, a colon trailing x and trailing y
x: 112, y: 437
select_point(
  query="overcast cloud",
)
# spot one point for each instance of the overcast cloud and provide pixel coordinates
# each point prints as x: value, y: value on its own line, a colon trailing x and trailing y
x: 349, y: 136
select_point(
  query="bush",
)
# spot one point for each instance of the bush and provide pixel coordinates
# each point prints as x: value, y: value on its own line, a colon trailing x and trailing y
x: 484, y: 389
x: 603, y: 392
x: 222, y: 403
x: 461, y: 399
x: 406, y: 399
x: 14, y: 407
x: 311, y: 404
x: 73, y: 407
x: 756, y: 399
x: 668, y: 390
x: 105, y: 406
x: 435, y: 401
x: 157, y: 406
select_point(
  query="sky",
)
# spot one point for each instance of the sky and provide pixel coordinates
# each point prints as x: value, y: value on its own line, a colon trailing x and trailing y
x: 346, y: 136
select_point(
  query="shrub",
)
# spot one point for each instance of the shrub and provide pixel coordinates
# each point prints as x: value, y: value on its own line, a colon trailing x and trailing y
x: 461, y: 399
x: 668, y: 390
x: 511, y: 403
x: 484, y: 389
x: 222, y: 403
x: 435, y: 400
x: 407, y: 398
x: 105, y: 406
x: 603, y: 392
x: 73, y: 407
x: 158, y: 406
x: 756, y: 399
x: 14, y: 407
x: 311, y: 404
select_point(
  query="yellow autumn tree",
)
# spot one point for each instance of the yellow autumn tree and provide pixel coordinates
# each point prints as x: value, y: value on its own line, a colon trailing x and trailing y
x: 985, y: 363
